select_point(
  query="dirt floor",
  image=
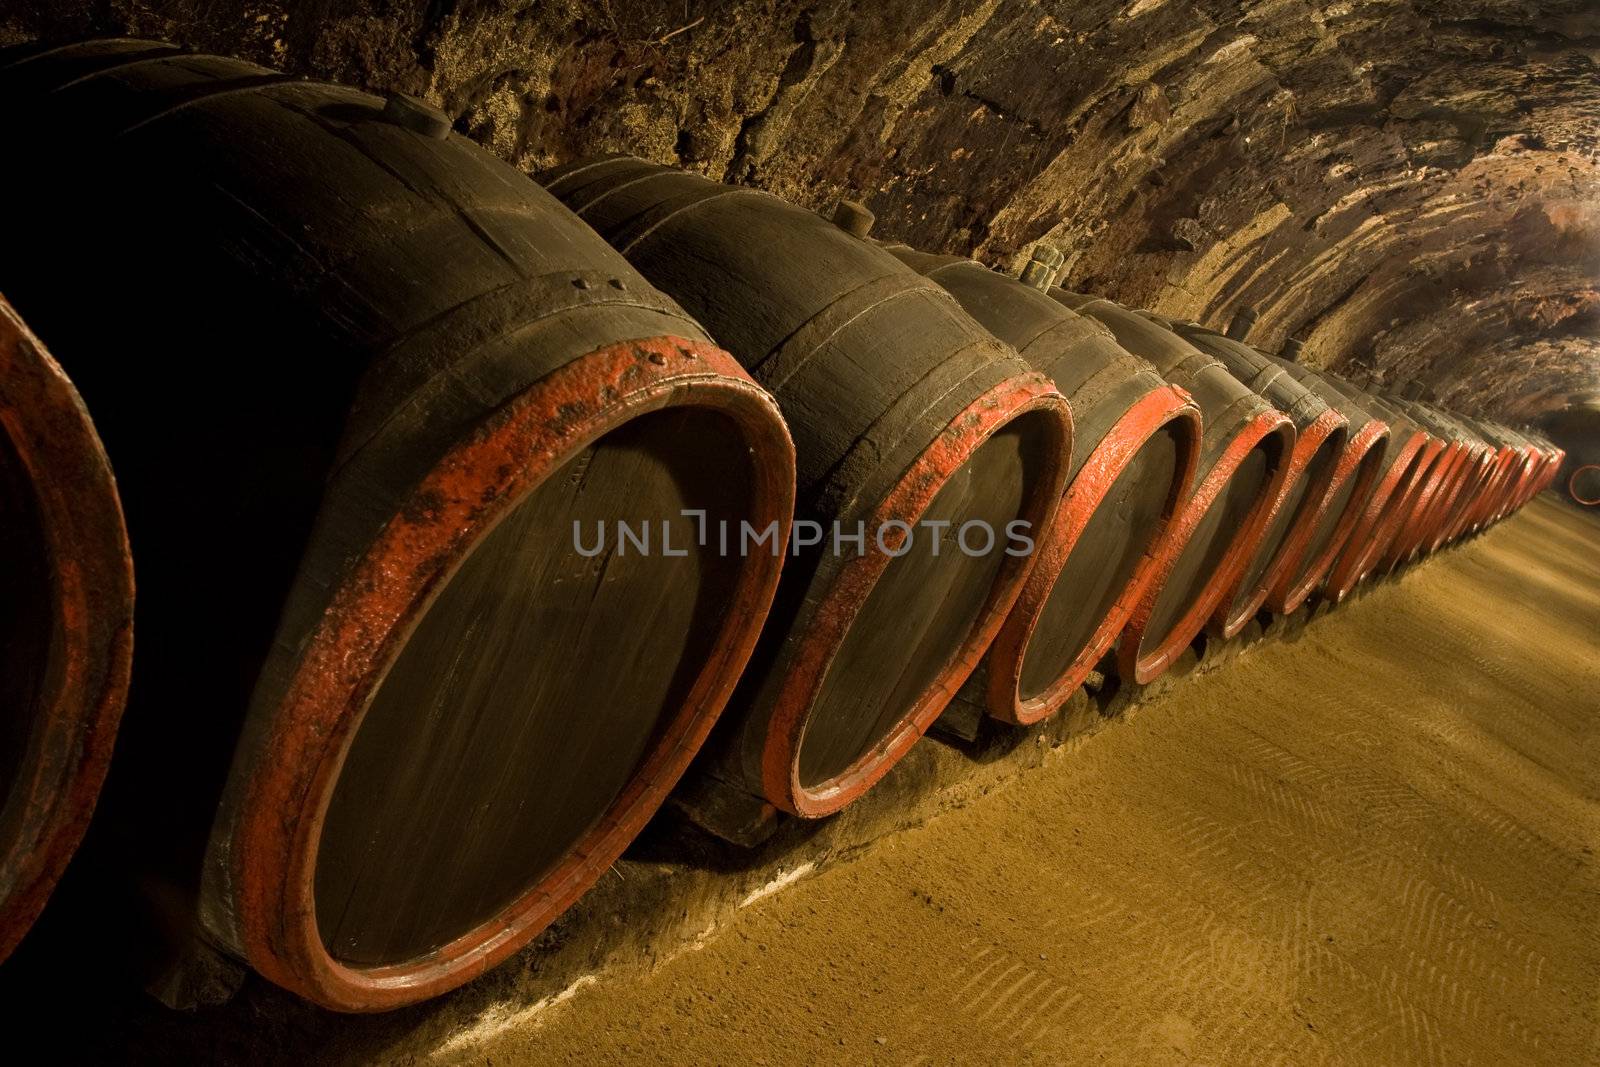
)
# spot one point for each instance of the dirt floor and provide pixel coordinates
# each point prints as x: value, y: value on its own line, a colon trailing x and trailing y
x: 1366, y: 837
x: 1372, y: 844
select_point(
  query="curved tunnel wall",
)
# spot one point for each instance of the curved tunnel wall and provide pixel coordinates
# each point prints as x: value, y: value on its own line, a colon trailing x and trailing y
x: 1412, y: 188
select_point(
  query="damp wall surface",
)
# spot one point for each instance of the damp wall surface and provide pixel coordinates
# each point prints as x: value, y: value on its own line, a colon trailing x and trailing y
x: 1409, y: 187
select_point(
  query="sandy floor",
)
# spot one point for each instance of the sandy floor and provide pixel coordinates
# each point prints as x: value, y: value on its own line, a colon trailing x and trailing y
x: 1371, y: 845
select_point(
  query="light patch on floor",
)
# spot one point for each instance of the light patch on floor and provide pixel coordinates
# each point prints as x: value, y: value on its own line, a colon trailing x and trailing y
x: 788, y: 878
x: 507, y: 1017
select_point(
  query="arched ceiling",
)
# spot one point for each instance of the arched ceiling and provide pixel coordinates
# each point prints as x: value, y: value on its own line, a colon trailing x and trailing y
x: 1412, y: 188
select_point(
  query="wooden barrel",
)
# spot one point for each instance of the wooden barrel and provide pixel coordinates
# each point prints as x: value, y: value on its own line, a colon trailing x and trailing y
x: 1474, y: 468
x: 369, y: 393
x: 66, y: 622
x: 1479, y: 514
x: 1518, y: 463
x: 1507, y: 467
x: 1244, y: 462
x: 1436, y: 458
x: 1136, y: 446
x: 1401, y: 460
x: 1321, y: 433
x: 1511, y: 468
x: 1480, y: 495
x: 1418, y: 533
x: 1471, y: 515
x: 1533, y: 461
x: 1517, y: 451
x: 1472, y: 454
x: 1420, y: 497
x: 1476, y: 514
x: 1478, y: 511
x: 1469, y: 459
x: 1489, y: 509
x: 911, y: 422
x: 1545, y: 461
x: 1356, y: 476
x: 1584, y: 485
x: 1392, y: 543
x: 1556, y: 456
x: 1540, y: 477
x: 1550, y: 458
x: 1437, y: 487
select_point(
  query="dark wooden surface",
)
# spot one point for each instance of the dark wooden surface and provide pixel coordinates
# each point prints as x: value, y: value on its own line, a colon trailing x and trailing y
x: 531, y: 689
x: 26, y: 625
x: 284, y: 308
x: 1102, y: 380
x: 1226, y: 405
x: 869, y: 363
x: 1287, y: 392
x: 903, y: 646
x: 1350, y: 496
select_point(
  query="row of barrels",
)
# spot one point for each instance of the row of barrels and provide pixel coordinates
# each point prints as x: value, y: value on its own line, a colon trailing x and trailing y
x: 353, y: 399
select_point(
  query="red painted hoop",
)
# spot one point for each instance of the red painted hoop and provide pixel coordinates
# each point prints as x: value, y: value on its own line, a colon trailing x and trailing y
x: 1230, y: 618
x: 853, y: 584
x: 1140, y: 666
x: 49, y: 803
x: 1166, y: 406
x: 278, y: 824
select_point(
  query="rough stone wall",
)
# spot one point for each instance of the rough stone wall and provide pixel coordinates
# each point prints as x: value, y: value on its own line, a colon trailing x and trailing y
x: 1411, y: 186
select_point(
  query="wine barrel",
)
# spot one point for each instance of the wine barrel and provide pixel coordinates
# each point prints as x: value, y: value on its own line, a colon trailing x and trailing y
x: 1518, y: 465
x: 1484, y: 509
x: 1527, y: 470
x: 1521, y: 473
x: 1479, y: 484
x: 1455, y: 462
x: 1509, y: 446
x: 1475, y: 473
x: 1457, y: 455
x: 1474, y: 468
x: 1550, y: 459
x: 1584, y: 485
x: 1479, y: 510
x: 1510, y: 468
x: 907, y: 415
x: 1469, y: 479
x: 369, y: 392
x: 1244, y: 462
x: 1544, y: 460
x: 1136, y: 446
x: 1436, y: 458
x: 1513, y: 468
x: 1519, y: 451
x: 1406, y: 456
x: 1408, y: 537
x: 1321, y: 434
x: 66, y: 622
x: 1538, y: 460
x: 1355, y: 478
x: 1532, y: 460
x: 1554, y: 456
